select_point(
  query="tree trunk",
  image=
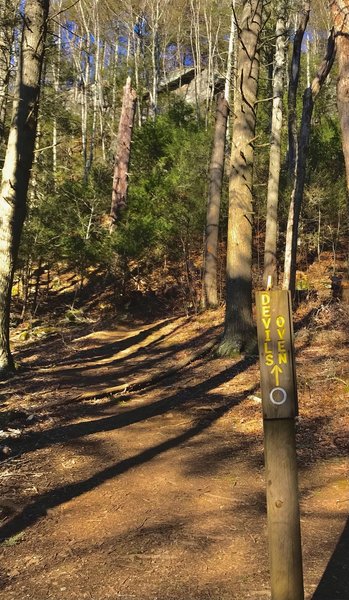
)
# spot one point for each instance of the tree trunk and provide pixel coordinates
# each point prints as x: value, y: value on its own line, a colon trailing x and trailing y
x: 56, y: 73
x: 303, y: 19
x: 18, y: 161
x: 195, y: 41
x: 123, y: 151
x: 270, y: 261
x: 213, y: 205
x: 155, y: 58
x: 95, y: 87
x: 239, y: 333
x: 228, y: 82
x: 7, y: 28
x: 340, y: 18
x: 309, y: 97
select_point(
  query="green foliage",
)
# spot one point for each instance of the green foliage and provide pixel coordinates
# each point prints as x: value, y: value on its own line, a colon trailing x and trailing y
x: 67, y: 226
x: 167, y: 194
x: 166, y: 204
x: 324, y: 212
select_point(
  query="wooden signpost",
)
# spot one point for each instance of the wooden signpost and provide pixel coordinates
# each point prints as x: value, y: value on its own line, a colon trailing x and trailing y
x: 280, y: 406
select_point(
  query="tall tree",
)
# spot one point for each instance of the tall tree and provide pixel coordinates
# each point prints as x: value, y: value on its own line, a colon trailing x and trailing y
x: 270, y: 262
x: 239, y: 333
x: 309, y: 97
x: 19, y: 159
x: 340, y: 17
x: 7, y: 27
x: 302, y: 19
x: 122, y: 154
x: 216, y: 170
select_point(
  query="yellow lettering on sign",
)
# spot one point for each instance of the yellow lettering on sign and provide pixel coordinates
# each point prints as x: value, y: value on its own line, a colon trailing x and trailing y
x: 269, y: 360
x: 265, y: 299
x: 281, y: 346
x: 266, y: 323
x: 281, y: 334
x: 267, y: 350
x: 282, y: 358
x: 267, y: 335
x: 280, y: 321
x: 265, y: 311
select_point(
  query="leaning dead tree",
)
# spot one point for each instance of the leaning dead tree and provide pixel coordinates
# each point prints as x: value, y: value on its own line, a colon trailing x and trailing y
x: 123, y: 153
x: 309, y: 98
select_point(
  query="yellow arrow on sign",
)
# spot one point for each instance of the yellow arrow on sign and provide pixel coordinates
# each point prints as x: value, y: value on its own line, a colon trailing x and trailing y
x: 276, y: 370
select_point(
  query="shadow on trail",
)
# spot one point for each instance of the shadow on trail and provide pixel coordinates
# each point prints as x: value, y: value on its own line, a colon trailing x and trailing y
x: 38, y: 508
x: 111, y: 349
x: 67, y: 433
x: 334, y: 584
x: 112, y: 370
x: 87, y: 370
x: 106, y: 349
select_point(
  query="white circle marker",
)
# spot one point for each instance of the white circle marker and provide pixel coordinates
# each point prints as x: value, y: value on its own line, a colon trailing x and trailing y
x: 283, y: 398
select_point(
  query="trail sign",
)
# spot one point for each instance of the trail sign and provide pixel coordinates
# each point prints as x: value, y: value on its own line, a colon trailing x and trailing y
x: 276, y: 354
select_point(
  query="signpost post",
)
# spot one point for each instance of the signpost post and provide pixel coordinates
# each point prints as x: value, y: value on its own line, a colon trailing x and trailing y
x: 280, y: 407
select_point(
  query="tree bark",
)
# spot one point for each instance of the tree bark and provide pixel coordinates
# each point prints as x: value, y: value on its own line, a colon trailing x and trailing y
x: 56, y: 73
x: 123, y: 152
x: 213, y: 205
x: 340, y: 18
x: 270, y: 260
x: 18, y: 161
x: 230, y: 57
x: 303, y: 19
x: 239, y: 333
x: 309, y: 97
x: 7, y: 28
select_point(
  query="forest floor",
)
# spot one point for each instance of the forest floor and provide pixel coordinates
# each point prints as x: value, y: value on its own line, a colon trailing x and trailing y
x: 157, y: 492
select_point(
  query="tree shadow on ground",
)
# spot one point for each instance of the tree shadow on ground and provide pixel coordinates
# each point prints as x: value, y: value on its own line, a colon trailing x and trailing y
x: 187, y: 396
x: 99, y: 350
x: 38, y: 508
x: 101, y: 364
x: 111, y: 370
x: 334, y: 584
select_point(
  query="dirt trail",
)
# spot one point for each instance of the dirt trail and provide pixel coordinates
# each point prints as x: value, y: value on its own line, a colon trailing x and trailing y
x: 159, y: 494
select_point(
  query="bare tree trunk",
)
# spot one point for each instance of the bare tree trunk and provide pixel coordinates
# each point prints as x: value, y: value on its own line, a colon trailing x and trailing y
x: 18, y: 161
x: 239, y: 333
x: 85, y: 60
x: 115, y: 74
x: 228, y: 75
x: 56, y: 72
x: 303, y: 18
x: 37, y: 286
x: 196, y: 51
x: 96, y: 78
x: 210, y: 298
x: 340, y: 19
x: 309, y: 97
x: 270, y: 261
x: 123, y: 151
x: 7, y: 28
x: 155, y: 59
x: 211, y: 52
